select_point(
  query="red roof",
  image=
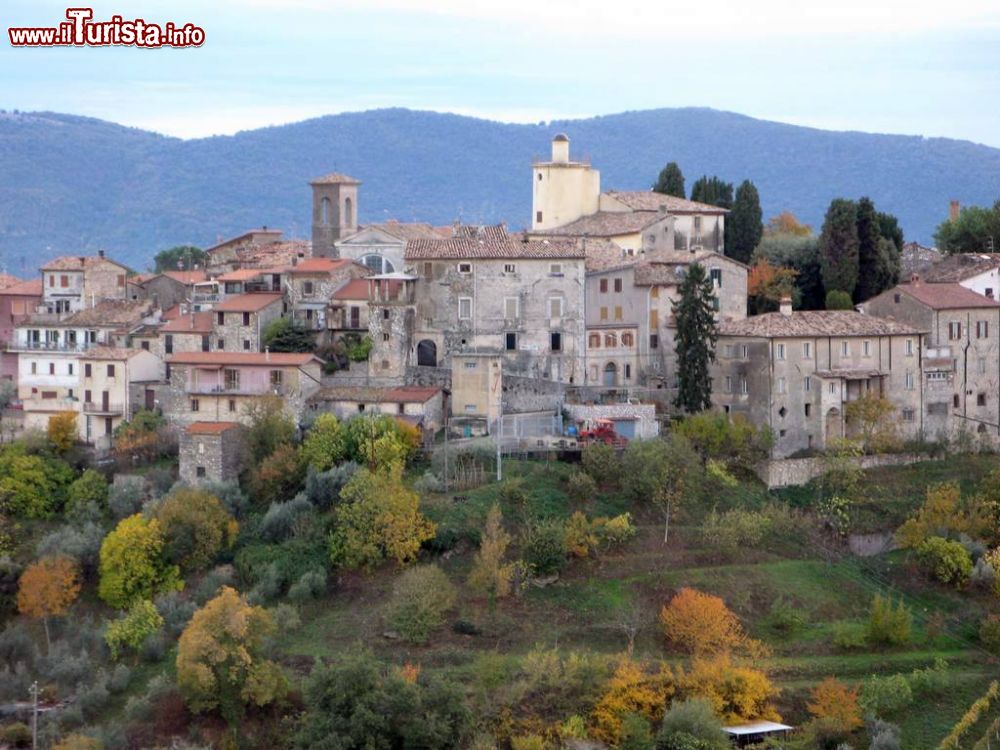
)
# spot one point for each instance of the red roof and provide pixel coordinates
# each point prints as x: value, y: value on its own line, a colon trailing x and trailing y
x: 200, y: 322
x: 32, y: 288
x: 247, y: 302
x: 319, y: 265
x: 186, y: 277
x: 253, y: 359
x: 411, y: 394
x: 170, y: 313
x: 946, y: 296
x: 210, y: 428
x: 355, y: 289
x: 241, y: 274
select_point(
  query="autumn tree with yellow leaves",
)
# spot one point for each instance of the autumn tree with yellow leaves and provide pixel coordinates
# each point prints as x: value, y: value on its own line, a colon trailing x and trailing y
x: 47, y: 588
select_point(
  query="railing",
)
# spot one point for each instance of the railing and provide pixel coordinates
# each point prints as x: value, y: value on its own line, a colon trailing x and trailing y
x: 50, y: 346
x: 204, y: 298
x: 260, y: 286
x: 236, y: 389
x: 93, y: 407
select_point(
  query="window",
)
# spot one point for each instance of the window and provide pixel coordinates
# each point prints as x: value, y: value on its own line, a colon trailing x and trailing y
x: 555, y: 269
x: 908, y: 380
x: 954, y: 401
x: 594, y: 341
x: 610, y: 340
x: 937, y: 375
x: 807, y: 350
x: 246, y: 345
x: 909, y: 347
x: 989, y: 292
x: 555, y: 341
x: 508, y: 268
x: 471, y: 365
x: 52, y: 280
x: 49, y: 394
x: 866, y: 348
x: 429, y: 270
x: 628, y: 371
x: 538, y: 214
x: 604, y: 313
x: 744, y: 386
x: 385, y: 314
x: 199, y: 471
x: 121, y: 280
x: 954, y: 331
x: 845, y: 348
x: 64, y: 281
x: 618, y: 285
x: 654, y: 341
x: 807, y: 409
x: 232, y: 379
x: 220, y: 318
x: 982, y: 329
x: 205, y: 344
x: 232, y: 406
x: 307, y: 288
x: 246, y: 318
x: 729, y: 384
x: 807, y: 383
x: 908, y: 415
x: 727, y: 351
x: 465, y: 308
x: 470, y: 408
x: 88, y: 397
x: 52, y: 368
x: 86, y: 370
x: 144, y: 345
x: 277, y: 378
x: 555, y: 307
x: 744, y: 351
x: 716, y: 305
x: 465, y: 268
x: 220, y: 345
x: 897, y: 298
x: 833, y: 387
x: 628, y: 340
x: 782, y: 433
x: 982, y: 365
x: 697, y: 224
x: 69, y: 368
x: 385, y: 336
x: 980, y: 399
x: 510, y: 341
x: 510, y: 307
x: 716, y: 275
x: 604, y: 286
x: 618, y: 312
x: 195, y: 404
x: 781, y: 351
x: 168, y: 344
x: 782, y: 385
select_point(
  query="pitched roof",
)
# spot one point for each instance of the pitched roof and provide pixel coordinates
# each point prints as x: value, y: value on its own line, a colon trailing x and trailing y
x: 261, y: 359
x: 31, y: 288
x: 275, y: 233
x: 604, y: 255
x: 186, y: 277
x: 111, y: 312
x: 647, y: 200
x: 492, y: 244
x: 211, y: 428
x: 605, y: 224
x: 960, y: 267
x: 803, y: 323
x: 667, y: 267
x: 77, y: 262
x: 110, y: 352
x: 407, y: 394
x: 319, y: 265
x: 334, y: 178
x: 945, y: 296
x: 247, y: 302
x: 199, y: 322
x: 410, y: 230
x: 353, y: 289
x: 7, y: 280
x: 240, y: 274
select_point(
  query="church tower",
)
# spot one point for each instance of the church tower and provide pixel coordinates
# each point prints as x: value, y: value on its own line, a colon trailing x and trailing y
x: 562, y: 190
x: 335, y: 212
x: 391, y: 314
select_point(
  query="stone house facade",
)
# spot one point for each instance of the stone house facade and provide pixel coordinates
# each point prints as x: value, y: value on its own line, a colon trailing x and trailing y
x: 381, y: 247
x: 218, y: 386
x: 211, y: 452
x: 171, y: 287
x: 421, y: 406
x: 961, y: 362
x: 347, y: 311
x: 797, y: 372
x: 240, y: 321
x: 189, y: 332
x: 72, y: 283
x: 107, y: 376
x: 491, y: 290
x: 311, y: 284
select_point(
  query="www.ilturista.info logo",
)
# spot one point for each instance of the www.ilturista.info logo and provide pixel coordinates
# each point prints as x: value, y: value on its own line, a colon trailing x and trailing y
x: 81, y: 31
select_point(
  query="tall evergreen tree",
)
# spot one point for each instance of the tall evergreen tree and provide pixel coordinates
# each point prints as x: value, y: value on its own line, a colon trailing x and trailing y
x: 670, y: 181
x: 888, y: 227
x: 695, y: 342
x: 868, y: 251
x: 838, y: 246
x: 745, y: 224
x: 713, y: 190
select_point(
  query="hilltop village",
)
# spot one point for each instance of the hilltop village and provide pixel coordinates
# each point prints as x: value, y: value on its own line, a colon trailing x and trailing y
x: 594, y: 484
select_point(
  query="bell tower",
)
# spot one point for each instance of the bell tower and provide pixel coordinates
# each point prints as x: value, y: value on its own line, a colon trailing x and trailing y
x: 335, y: 212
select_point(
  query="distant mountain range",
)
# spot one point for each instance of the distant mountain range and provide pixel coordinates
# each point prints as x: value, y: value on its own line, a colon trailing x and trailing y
x: 73, y: 185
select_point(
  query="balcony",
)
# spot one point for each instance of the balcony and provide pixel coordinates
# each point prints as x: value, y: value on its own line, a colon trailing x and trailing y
x: 248, y: 384
x: 49, y: 346
x: 205, y: 299
x: 107, y: 409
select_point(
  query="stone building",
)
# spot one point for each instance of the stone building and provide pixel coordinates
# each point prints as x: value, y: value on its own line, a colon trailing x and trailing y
x: 71, y: 283
x: 310, y: 285
x: 18, y: 302
x: 211, y: 452
x: 218, y: 386
x: 961, y: 362
x: 240, y: 321
x: 977, y: 272
x: 381, y: 247
x: 486, y: 288
x: 171, y: 288
x: 335, y: 212
x: 420, y: 406
x: 391, y: 310
x: 797, y: 372
x: 348, y: 309
x: 257, y: 249
x: 188, y: 332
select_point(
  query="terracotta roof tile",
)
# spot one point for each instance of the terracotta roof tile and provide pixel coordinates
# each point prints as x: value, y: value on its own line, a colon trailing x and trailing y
x: 7, y: 280
x: 334, y: 178
x: 247, y: 302
x: 110, y: 352
x: 647, y: 200
x: 257, y: 359
x: 605, y: 224
x: 410, y: 230
x: 200, y: 322
x: 211, y: 428
x: 32, y: 288
x: 76, y: 262
x: 186, y: 277
x: 240, y: 274
x: 111, y: 312
x: 490, y: 242
x: 960, y: 267
x: 814, y: 323
x: 319, y: 266
x: 355, y: 289
x: 945, y: 296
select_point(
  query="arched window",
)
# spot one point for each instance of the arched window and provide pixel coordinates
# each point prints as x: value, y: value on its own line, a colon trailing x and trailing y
x: 610, y: 340
x: 348, y: 212
x: 594, y: 342
x: 376, y: 263
x: 627, y: 339
x: 610, y: 374
x: 324, y: 211
x: 427, y: 353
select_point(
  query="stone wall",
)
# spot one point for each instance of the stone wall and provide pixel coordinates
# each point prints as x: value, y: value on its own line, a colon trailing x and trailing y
x: 786, y: 472
x: 646, y: 424
x: 218, y: 455
x: 521, y: 394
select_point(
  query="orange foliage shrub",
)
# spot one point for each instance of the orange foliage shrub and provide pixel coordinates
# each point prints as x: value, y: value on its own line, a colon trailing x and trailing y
x: 833, y: 700
x: 631, y: 690
x: 702, y: 624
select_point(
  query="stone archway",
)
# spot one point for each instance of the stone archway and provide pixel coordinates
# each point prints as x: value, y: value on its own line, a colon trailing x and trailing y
x: 427, y: 353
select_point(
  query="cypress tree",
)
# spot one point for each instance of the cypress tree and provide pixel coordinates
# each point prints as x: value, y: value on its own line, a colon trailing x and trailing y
x: 713, y: 191
x: 695, y: 340
x: 670, y: 181
x: 745, y: 224
x: 868, y: 251
x: 838, y: 246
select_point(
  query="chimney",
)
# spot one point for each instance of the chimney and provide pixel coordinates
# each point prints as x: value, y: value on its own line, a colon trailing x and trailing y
x: 662, y: 209
x: 560, y: 149
x: 914, y: 278
x: 100, y: 253
x: 954, y: 209
x: 267, y: 353
x: 785, y: 306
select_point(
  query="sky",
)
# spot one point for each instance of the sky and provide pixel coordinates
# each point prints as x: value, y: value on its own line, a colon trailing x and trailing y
x: 889, y: 66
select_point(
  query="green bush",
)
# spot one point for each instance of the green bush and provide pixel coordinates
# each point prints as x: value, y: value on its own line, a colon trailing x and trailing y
x: 16, y: 735
x: 581, y: 487
x: 989, y: 633
x: 636, y: 733
x: 838, y: 300
x: 884, y: 695
x: 736, y: 529
x: 849, y: 636
x: 888, y: 624
x: 600, y: 463
x: 359, y: 351
x: 420, y: 598
x: 691, y: 725
x: 947, y: 561
x: 785, y: 617
x: 544, y: 547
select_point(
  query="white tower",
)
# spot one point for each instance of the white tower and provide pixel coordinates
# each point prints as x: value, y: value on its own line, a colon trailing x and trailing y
x: 562, y: 190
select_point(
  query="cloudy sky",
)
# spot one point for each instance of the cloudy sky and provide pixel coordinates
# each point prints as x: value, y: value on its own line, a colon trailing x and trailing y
x: 899, y: 66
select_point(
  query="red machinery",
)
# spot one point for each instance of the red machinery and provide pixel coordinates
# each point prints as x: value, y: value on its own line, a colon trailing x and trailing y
x: 601, y: 431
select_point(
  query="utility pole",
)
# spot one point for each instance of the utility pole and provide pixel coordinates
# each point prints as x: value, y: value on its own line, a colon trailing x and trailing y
x: 34, y: 715
x: 446, y: 448
x: 499, y: 435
